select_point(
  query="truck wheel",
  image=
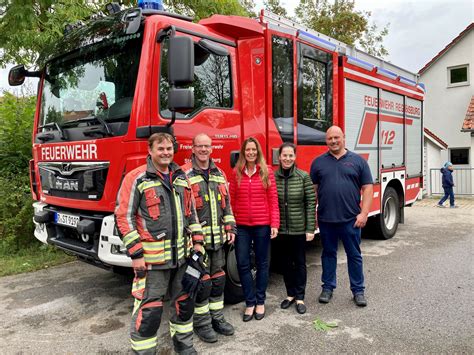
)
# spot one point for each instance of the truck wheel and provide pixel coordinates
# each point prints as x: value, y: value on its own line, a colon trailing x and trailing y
x: 387, y: 221
x: 233, y: 292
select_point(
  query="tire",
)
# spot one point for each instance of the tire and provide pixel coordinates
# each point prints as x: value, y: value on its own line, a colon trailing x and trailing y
x: 233, y: 292
x: 386, y: 223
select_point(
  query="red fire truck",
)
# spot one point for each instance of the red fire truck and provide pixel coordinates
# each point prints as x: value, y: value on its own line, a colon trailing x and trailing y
x: 112, y: 82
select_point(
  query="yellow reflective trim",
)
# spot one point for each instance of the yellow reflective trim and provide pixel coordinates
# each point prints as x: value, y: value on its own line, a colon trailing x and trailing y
x: 148, y: 184
x: 213, y: 211
x: 139, y: 284
x: 206, y: 197
x: 136, y: 305
x: 181, y: 328
x: 215, y: 306
x: 179, y: 215
x: 195, y: 227
x: 130, y: 237
x: 180, y: 182
x: 158, y: 245
x: 144, y: 344
x: 219, y: 179
x: 195, y: 179
x: 202, y: 310
x: 229, y: 219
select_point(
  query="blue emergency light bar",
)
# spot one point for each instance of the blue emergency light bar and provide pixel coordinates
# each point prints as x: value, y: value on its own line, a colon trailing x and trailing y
x: 316, y: 40
x: 360, y: 63
x: 407, y: 81
x: 386, y: 73
x: 151, y: 4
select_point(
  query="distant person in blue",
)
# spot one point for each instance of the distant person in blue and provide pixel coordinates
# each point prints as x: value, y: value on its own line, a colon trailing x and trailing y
x: 448, y: 184
x: 339, y: 176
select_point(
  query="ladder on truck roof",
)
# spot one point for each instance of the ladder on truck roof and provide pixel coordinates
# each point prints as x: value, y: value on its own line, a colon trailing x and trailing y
x: 355, y: 56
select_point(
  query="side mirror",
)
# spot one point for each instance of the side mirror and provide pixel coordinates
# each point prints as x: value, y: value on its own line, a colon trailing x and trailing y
x: 181, y: 61
x: 180, y: 100
x: 17, y: 75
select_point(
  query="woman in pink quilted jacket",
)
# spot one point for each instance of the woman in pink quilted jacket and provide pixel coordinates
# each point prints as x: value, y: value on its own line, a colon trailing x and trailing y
x: 254, y: 201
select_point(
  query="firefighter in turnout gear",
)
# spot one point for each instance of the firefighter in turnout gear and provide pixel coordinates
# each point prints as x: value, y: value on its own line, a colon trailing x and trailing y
x: 209, y: 187
x: 156, y: 217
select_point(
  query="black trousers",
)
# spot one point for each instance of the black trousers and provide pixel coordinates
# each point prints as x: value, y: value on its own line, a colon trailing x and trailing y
x: 294, y: 261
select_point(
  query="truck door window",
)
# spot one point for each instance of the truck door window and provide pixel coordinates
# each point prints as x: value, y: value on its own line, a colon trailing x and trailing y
x: 212, y: 81
x: 314, y: 95
x: 282, y: 86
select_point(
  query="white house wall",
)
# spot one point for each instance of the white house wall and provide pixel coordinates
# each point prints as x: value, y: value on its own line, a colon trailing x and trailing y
x: 445, y: 107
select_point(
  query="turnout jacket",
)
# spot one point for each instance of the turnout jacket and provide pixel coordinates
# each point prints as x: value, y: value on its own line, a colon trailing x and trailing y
x: 156, y: 219
x: 212, y: 202
x: 297, y: 200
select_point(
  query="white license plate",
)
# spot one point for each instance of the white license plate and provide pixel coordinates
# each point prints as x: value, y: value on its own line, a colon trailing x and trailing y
x: 66, y: 219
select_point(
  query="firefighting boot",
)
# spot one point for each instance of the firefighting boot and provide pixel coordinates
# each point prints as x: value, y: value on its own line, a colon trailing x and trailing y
x: 206, y: 333
x: 223, y: 327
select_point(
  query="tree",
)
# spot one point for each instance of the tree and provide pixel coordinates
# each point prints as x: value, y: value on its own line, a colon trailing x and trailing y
x: 275, y: 7
x: 27, y: 28
x: 341, y: 21
x: 201, y: 9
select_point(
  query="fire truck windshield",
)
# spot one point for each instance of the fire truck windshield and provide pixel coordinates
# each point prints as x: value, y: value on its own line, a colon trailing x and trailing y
x: 91, y: 86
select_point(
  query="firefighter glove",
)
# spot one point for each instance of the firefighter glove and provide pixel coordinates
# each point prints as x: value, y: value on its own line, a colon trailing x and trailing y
x: 194, y: 271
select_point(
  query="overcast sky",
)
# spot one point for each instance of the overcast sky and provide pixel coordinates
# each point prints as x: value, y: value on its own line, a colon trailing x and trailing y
x: 418, y: 29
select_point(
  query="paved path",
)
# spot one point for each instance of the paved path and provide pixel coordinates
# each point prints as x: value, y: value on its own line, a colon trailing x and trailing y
x: 420, y: 291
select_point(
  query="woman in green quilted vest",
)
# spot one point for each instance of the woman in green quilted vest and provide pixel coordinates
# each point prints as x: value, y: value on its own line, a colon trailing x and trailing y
x: 297, y: 202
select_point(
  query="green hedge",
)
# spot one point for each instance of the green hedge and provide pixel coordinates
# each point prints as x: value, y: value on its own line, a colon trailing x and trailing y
x: 16, y: 212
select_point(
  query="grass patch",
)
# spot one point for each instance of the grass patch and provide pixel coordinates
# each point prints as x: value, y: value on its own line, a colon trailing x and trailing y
x: 32, y: 259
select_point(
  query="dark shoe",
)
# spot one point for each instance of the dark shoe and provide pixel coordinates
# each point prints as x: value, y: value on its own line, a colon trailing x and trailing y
x: 300, y: 308
x: 360, y: 300
x: 259, y: 316
x: 248, y: 317
x: 325, y: 296
x: 188, y: 351
x: 287, y: 303
x: 206, y: 334
x: 222, y: 327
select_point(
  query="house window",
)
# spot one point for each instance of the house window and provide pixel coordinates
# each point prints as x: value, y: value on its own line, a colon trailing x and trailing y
x: 458, y: 75
x: 459, y: 156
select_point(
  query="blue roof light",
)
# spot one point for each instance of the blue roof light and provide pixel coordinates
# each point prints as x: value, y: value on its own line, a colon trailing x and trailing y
x: 151, y: 4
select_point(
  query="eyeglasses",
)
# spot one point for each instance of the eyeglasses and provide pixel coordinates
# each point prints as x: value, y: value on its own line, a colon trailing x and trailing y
x: 202, y: 146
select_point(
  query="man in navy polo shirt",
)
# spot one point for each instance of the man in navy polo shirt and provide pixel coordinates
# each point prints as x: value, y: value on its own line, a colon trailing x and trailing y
x: 339, y: 177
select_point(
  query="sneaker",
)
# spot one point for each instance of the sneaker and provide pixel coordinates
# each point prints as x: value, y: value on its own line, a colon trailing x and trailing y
x: 454, y: 206
x: 440, y: 206
x: 325, y: 296
x: 223, y: 327
x: 206, y: 333
x: 360, y: 300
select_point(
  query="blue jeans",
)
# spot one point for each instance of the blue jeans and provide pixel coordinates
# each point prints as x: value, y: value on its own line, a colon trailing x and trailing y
x: 350, y: 236
x: 257, y: 237
x: 448, y: 192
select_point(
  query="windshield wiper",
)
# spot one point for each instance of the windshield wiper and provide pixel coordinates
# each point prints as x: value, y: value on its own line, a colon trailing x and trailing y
x: 45, y: 136
x: 108, y: 131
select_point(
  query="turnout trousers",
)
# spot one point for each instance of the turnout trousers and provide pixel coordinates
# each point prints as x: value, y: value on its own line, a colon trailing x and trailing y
x: 210, y: 297
x: 149, y: 292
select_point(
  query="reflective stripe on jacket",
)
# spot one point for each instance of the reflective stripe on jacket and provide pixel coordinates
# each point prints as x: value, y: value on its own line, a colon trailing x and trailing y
x: 156, y: 219
x: 212, y: 202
